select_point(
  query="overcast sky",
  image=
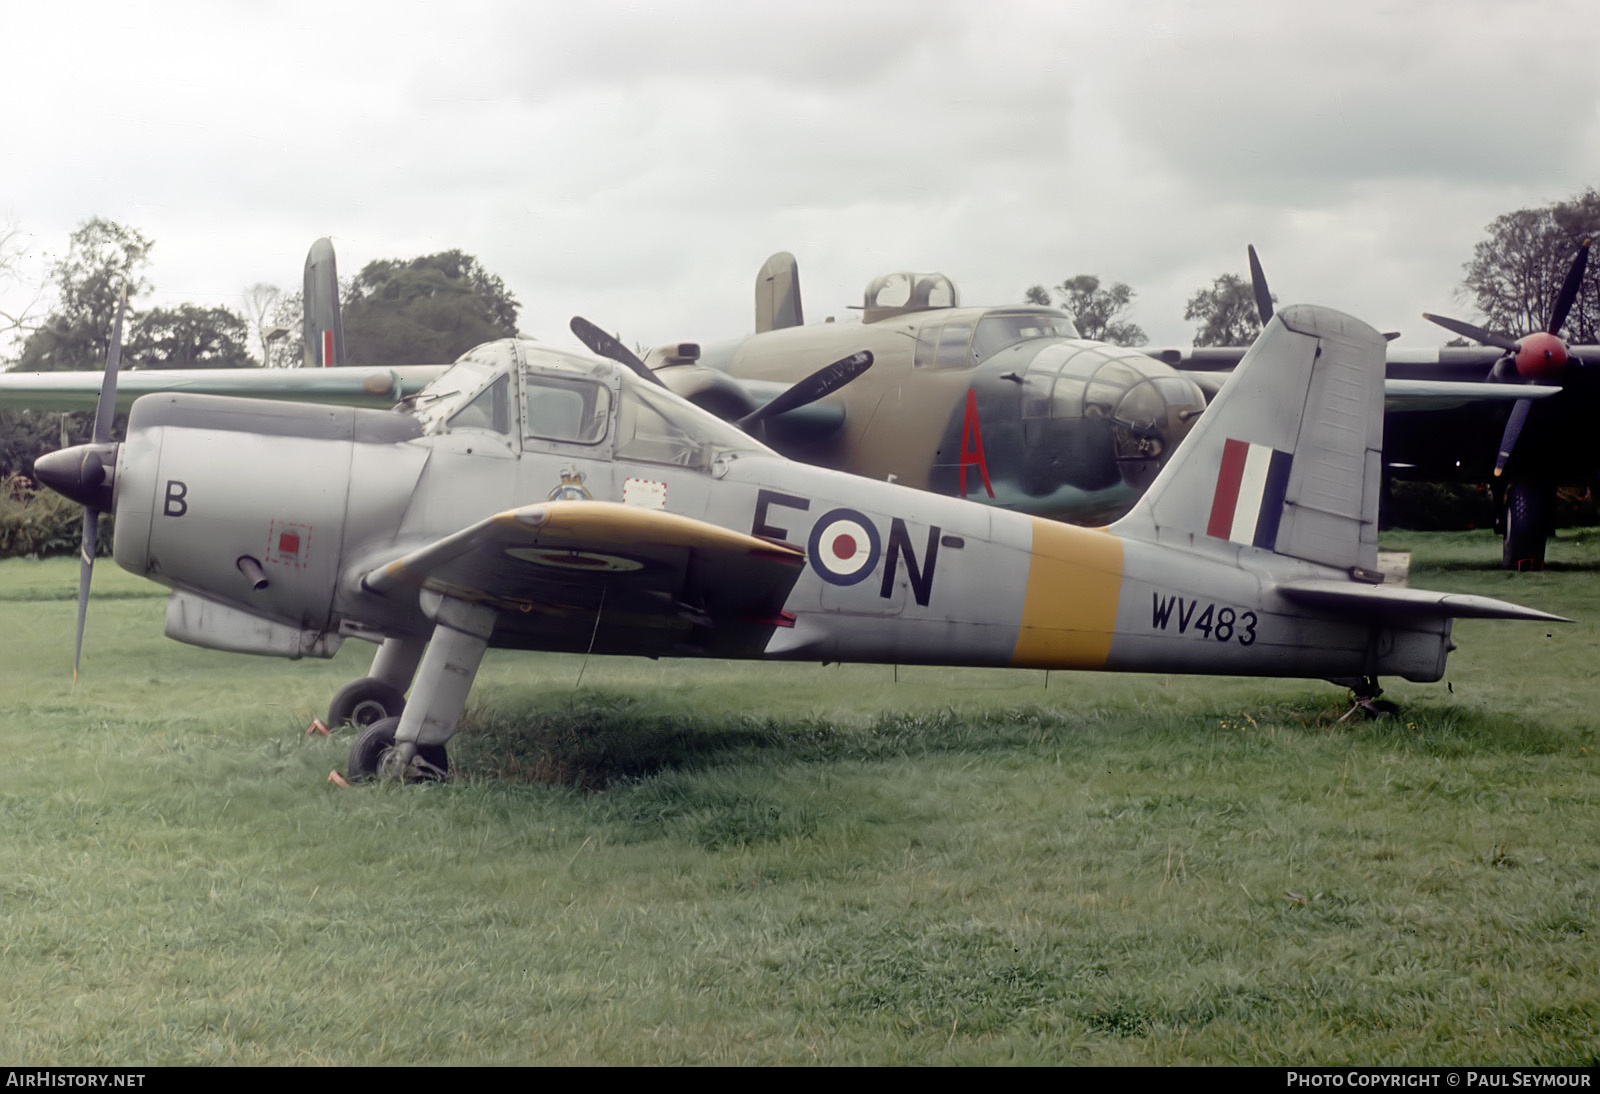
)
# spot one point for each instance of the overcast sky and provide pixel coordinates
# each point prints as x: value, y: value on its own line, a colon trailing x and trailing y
x: 636, y: 162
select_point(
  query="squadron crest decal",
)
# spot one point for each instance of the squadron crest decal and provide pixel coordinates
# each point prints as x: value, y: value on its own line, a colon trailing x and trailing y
x: 571, y: 487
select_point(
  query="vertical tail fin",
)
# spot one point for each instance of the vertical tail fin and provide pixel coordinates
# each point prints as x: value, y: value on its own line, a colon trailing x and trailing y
x: 778, y: 294
x: 1288, y: 458
x: 323, y: 332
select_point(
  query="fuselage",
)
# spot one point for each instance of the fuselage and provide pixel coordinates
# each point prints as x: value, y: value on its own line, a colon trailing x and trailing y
x: 318, y: 497
x: 1004, y: 406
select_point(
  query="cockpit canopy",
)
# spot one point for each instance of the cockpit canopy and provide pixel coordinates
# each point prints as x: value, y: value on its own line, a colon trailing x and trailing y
x: 545, y: 399
x: 894, y: 294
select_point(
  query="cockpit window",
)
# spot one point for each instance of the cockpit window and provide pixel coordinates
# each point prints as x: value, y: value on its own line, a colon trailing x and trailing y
x: 657, y: 427
x: 490, y: 411
x: 563, y: 409
x: 944, y: 345
x: 996, y: 332
x: 463, y: 383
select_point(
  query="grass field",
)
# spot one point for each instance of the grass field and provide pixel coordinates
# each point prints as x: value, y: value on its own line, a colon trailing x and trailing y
x: 714, y: 862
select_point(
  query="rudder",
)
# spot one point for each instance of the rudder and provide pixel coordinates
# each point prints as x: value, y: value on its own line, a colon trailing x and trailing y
x: 1288, y: 458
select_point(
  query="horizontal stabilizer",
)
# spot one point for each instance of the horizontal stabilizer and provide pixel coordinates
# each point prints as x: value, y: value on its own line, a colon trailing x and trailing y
x: 1390, y: 601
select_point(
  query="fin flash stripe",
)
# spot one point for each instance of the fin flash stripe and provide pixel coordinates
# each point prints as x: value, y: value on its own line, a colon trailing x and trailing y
x: 1251, y: 485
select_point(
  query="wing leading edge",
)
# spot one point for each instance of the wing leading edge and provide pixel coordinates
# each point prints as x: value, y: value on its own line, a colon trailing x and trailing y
x: 611, y: 578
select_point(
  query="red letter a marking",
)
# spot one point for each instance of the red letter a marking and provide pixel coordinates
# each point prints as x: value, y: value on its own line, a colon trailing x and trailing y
x: 972, y: 445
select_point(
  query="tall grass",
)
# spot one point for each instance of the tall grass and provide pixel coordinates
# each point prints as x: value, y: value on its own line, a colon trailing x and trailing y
x: 707, y: 861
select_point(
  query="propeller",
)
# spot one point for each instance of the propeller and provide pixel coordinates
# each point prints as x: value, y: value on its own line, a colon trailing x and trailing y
x: 86, y: 474
x: 1538, y: 357
x: 824, y: 381
x: 603, y: 345
x: 1258, y: 282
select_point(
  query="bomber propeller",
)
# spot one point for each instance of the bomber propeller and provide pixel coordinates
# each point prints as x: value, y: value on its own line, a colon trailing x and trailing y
x: 602, y: 344
x: 1258, y: 282
x: 825, y: 381
x: 1540, y: 357
x: 86, y: 473
x: 1264, y: 297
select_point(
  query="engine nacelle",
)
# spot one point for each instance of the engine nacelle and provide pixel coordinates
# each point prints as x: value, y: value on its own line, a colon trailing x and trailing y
x: 708, y: 389
x: 246, y: 504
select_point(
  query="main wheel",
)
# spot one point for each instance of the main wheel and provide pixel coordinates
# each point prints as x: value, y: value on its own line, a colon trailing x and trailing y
x: 1527, y: 523
x: 364, y: 702
x: 366, y: 752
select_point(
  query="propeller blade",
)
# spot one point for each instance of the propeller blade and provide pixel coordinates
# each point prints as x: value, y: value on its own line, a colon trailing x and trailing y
x: 603, y: 345
x: 1519, y: 418
x: 1569, y: 288
x: 1258, y: 282
x: 824, y: 381
x: 106, y: 409
x: 91, y: 536
x: 1477, y: 334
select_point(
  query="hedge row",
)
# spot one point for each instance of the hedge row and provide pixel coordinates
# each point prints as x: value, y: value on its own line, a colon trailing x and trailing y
x: 37, y: 523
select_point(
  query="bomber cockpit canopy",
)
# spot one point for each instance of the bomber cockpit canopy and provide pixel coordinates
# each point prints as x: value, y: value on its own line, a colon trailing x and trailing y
x: 547, y: 399
x: 894, y: 294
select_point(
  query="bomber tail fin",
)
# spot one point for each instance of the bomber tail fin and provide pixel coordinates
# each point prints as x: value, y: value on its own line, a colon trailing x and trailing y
x: 323, y: 330
x: 1288, y: 458
x: 778, y: 294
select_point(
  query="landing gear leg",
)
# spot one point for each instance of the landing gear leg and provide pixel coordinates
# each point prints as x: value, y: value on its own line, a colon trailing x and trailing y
x: 1364, y: 692
x: 1527, y: 524
x: 444, y: 679
x: 381, y: 693
x: 396, y: 661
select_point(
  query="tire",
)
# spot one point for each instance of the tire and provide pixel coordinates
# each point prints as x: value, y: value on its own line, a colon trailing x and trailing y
x: 366, y: 752
x: 364, y: 702
x: 1527, y: 523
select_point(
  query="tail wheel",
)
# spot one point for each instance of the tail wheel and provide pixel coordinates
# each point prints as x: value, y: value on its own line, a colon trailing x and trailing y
x: 1527, y: 524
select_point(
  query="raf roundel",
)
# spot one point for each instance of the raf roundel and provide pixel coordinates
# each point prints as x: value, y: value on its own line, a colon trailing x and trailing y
x: 844, y: 546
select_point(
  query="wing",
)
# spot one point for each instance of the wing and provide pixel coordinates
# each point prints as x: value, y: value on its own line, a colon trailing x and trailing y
x: 376, y: 387
x: 1404, y: 395
x: 590, y: 575
x: 1409, y: 395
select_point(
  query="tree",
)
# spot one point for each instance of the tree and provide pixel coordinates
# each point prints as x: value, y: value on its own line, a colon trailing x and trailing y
x: 288, y: 313
x: 1097, y: 312
x: 1516, y: 274
x: 432, y: 308
x: 102, y: 258
x: 188, y: 336
x: 19, y: 319
x: 1226, y: 313
x: 260, y: 304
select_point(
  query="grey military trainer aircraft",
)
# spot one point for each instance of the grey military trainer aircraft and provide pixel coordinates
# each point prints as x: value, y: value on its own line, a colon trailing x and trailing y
x: 535, y: 499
